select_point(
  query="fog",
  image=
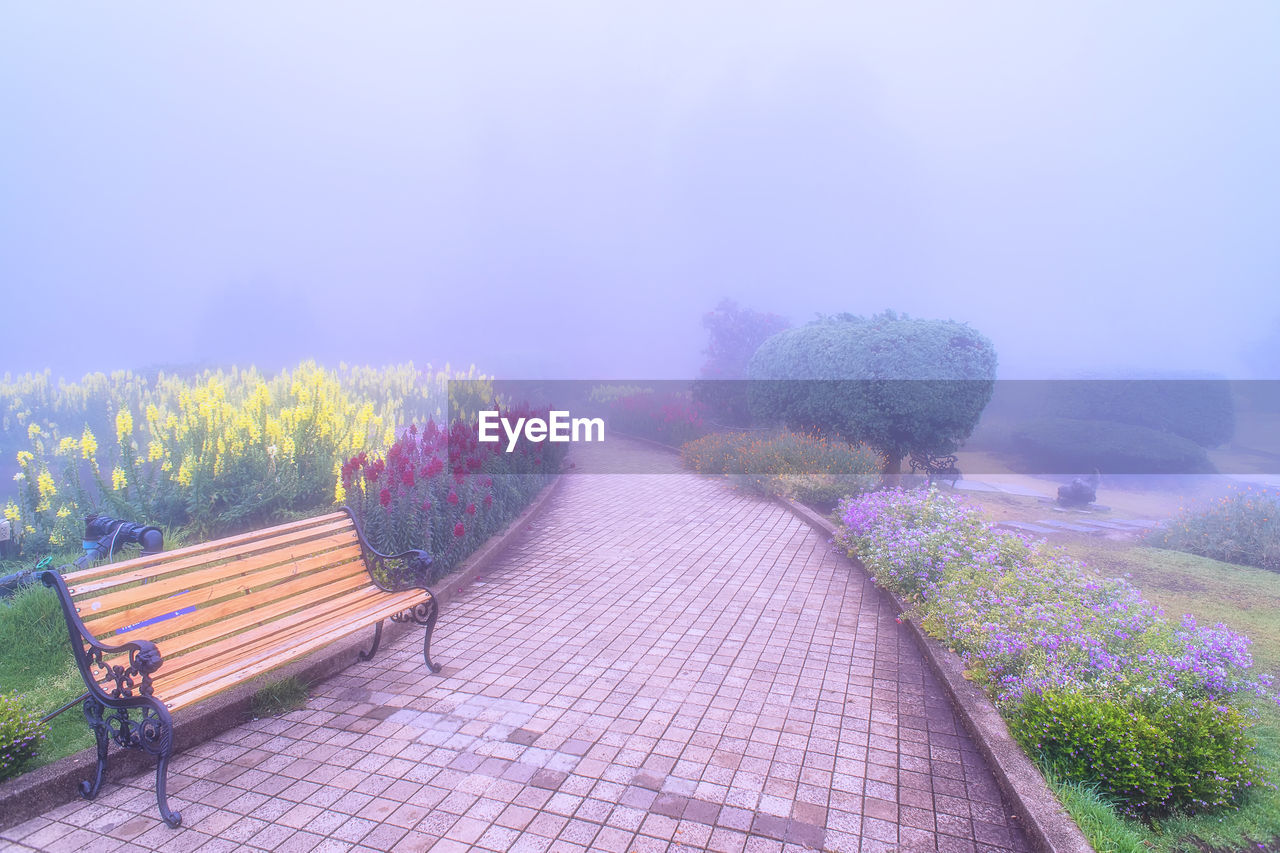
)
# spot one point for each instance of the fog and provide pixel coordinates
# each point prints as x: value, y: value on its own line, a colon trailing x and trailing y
x: 562, y: 190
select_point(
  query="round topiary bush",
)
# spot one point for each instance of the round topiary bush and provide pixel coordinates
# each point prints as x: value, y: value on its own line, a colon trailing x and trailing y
x: 899, y: 384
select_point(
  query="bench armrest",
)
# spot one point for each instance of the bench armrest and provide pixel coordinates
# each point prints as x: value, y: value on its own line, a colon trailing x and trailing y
x: 393, y: 572
x: 114, y: 682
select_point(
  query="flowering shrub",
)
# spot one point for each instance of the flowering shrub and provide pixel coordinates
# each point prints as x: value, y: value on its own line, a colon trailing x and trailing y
x: 20, y: 735
x: 443, y: 491
x: 665, y: 417
x: 1241, y: 527
x: 799, y: 466
x: 1148, y: 755
x: 222, y: 452
x: 1031, y: 622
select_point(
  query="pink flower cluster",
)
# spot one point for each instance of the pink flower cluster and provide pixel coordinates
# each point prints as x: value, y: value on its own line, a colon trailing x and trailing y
x: 442, y: 490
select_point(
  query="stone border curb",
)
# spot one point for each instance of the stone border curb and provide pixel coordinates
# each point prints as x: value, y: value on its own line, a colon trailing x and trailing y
x: 1043, y: 819
x: 33, y: 793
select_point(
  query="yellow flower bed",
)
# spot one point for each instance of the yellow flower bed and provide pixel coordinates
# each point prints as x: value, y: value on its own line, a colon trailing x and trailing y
x: 216, y: 452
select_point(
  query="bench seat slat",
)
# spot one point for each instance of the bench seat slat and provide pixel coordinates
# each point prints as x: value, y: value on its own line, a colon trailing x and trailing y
x: 231, y: 620
x: 203, y: 547
x: 257, y: 587
x: 275, y: 632
x: 129, y: 572
x: 218, y: 680
x: 211, y: 583
x: 267, y: 638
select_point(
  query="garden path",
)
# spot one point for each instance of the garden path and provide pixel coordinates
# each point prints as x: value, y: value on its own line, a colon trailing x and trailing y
x: 659, y: 662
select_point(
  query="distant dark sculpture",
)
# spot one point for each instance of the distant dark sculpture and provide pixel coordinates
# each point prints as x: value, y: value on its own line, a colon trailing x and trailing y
x: 1079, y: 492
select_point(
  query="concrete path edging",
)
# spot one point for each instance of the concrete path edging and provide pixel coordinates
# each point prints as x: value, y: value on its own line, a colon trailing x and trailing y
x: 32, y: 793
x: 1043, y: 818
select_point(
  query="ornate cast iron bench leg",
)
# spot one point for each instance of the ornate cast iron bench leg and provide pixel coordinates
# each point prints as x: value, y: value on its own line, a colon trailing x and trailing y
x: 423, y: 614
x: 115, y: 689
x: 377, y: 640
x: 151, y: 733
x: 93, y: 715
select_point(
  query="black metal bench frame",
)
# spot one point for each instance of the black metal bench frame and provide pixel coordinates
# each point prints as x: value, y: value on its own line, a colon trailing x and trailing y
x: 115, y: 691
x: 935, y: 467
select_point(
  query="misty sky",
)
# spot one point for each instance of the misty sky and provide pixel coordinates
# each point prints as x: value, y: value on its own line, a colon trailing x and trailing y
x: 561, y: 190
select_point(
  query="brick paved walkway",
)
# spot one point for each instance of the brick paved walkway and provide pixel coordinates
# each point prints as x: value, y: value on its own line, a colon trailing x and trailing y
x: 661, y: 663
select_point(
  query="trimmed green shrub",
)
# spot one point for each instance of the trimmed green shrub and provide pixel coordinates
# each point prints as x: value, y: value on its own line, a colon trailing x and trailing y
x: 1200, y: 410
x: 1067, y: 446
x: 899, y: 384
x: 809, y: 469
x: 20, y: 734
x: 1242, y: 527
x: 1152, y: 758
x: 714, y: 453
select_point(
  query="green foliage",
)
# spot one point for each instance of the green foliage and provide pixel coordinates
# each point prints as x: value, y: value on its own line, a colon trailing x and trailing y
x: 1096, y: 815
x: 899, y: 384
x: 444, y: 492
x: 32, y: 628
x: 1199, y: 410
x: 715, y: 453
x: 20, y: 734
x: 213, y: 454
x: 1242, y: 527
x: 279, y: 697
x: 810, y: 469
x: 1152, y: 759
x: 1066, y: 446
x: 37, y: 663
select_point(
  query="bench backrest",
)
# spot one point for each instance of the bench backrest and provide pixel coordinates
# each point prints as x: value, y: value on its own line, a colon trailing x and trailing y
x: 189, y: 598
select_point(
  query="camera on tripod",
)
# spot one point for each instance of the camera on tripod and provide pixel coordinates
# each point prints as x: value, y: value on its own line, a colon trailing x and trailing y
x: 104, y: 535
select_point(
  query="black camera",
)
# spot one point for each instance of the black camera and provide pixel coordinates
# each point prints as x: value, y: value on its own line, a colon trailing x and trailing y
x: 103, y: 535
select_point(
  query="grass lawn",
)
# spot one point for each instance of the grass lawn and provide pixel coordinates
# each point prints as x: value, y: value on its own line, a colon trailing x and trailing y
x: 36, y: 662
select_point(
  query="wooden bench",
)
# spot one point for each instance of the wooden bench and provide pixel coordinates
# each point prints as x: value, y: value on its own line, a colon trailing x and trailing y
x: 157, y: 634
x: 935, y: 467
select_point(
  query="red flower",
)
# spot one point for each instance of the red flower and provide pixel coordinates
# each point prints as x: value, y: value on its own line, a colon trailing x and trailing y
x: 426, y: 506
x: 453, y: 497
x: 384, y: 497
x: 406, y: 476
x: 471, y: 509
x: 488, y: 501
x: 458, y: 529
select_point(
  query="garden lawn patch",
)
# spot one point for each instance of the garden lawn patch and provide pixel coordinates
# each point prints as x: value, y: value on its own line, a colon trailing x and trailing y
x: 38, y: 666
